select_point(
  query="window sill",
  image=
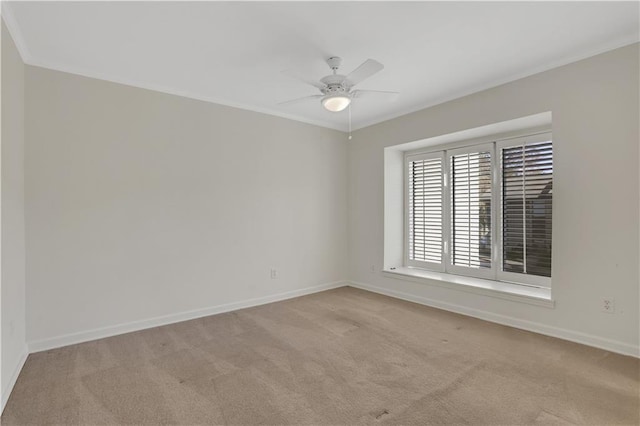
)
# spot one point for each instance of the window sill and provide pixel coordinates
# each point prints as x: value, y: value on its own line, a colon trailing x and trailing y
x: 514, y: 292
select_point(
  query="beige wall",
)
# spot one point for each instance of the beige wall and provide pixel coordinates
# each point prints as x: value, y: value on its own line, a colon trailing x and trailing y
x: 594, y: 104
x: 13, y: 227
x: 142, y: 204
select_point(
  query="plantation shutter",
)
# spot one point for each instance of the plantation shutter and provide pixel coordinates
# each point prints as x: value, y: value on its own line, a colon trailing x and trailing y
x: 527, y: 183
x: 471, y: 176
x: 425, y: 209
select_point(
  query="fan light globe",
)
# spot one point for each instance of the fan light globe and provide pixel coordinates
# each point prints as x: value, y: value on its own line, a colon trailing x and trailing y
x: 335, y: 103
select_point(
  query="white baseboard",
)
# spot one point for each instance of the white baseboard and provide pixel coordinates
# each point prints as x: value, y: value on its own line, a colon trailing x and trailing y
x: 561, y: 333
x: 100, y: 333
x: 14, y: 378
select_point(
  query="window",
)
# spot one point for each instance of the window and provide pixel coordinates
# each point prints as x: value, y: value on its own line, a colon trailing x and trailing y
x: 425, y: 210
x: 482, y: 210
x: 526, y: 208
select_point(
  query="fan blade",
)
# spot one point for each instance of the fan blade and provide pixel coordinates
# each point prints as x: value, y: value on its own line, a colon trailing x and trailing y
x: 364, y: 71
x: 306, y: 98
x: 297, y: 76
x: 390, y: 96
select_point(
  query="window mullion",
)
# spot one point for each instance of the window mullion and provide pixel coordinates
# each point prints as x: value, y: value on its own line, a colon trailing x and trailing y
x: 446, y: 212
x: 496, y: 211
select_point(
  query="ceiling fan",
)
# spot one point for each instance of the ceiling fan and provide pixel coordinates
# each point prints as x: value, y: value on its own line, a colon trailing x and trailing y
x: 336, y: 88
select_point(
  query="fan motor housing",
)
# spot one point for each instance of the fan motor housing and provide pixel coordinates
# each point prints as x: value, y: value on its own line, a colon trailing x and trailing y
x: 334, y: 84
x: 334, y: 79
x: 335, y: 89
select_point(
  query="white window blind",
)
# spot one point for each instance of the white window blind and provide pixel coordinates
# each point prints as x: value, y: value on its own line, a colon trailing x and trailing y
x: 527, y: 183
x: 425, y: 210
x: 482, y: 210
x: 471, y: 209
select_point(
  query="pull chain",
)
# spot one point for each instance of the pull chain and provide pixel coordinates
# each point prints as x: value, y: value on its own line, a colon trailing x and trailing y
x: 349, y: 121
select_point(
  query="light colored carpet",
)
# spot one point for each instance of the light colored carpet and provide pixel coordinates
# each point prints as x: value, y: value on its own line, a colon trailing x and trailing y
x: 343, y: 356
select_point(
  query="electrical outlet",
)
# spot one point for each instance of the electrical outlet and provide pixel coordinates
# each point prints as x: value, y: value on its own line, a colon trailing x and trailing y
x: 373, y: 269
x: 274, y: 274
x: 608, y: 305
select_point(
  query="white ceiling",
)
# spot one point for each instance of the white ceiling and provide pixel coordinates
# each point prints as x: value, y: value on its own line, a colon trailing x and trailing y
x: 234, y: 53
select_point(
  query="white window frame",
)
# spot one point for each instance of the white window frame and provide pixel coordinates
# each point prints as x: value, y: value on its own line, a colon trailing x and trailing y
x: 514, y: 277
x: 445, y: 152
x: 432, y: 266
x: 487, y: 273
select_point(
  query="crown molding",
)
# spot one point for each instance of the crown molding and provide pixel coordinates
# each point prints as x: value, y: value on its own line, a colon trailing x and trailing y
x: 178, y: 92
x: 18, y: 39
x: 27, y: 58
x: 602, y: 48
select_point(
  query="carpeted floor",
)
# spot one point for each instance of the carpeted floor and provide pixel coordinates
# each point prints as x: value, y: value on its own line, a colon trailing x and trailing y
x: 343, y: 356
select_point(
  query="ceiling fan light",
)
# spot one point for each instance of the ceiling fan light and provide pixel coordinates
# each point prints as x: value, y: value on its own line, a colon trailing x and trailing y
x: 336, y: 103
